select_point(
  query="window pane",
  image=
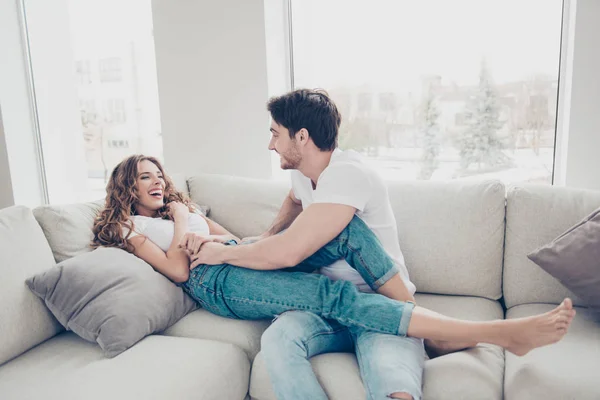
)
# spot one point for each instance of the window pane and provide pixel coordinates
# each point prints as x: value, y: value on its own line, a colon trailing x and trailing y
x: 438, y: 89
x: 94, y: 73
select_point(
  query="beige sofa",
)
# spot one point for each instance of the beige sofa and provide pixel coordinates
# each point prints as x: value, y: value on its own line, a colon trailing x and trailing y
x: 465, y: 245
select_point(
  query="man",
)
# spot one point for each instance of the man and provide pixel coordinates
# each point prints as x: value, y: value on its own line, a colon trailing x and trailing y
x: 329, y: 187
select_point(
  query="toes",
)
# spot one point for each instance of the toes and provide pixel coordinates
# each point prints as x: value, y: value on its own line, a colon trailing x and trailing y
x: 568, y: 304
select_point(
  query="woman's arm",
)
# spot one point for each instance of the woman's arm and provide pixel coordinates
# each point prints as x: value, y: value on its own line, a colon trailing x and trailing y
x: 175, y: 262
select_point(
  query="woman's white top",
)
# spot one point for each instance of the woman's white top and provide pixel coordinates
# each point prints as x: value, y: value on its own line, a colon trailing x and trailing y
x: 161, y: 231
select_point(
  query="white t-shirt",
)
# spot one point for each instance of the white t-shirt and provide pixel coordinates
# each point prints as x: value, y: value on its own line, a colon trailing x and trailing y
x: 348, y: 180
x: 161, y: 231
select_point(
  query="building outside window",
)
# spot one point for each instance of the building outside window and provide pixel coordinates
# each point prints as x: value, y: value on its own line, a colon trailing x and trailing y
x: 437, y: 89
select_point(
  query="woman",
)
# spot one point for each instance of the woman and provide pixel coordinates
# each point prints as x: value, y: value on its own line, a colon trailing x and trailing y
x: 145, y: 215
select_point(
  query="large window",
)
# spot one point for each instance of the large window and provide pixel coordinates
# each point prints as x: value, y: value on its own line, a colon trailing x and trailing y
x: 94, y: 75
x: 437, y: 89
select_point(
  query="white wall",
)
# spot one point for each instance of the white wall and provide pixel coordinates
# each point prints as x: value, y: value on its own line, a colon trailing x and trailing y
x: 581, y: 120
x: 18, y: 119
x: 6, y: 193
x: 212, y: 81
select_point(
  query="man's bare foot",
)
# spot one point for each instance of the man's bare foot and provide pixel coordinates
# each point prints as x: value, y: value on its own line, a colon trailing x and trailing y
x: 437, y: 348
x: 526, y: 334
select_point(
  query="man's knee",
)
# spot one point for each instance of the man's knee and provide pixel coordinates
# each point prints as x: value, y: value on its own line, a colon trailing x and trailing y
x: 286, y: 332
x: 401, y: 395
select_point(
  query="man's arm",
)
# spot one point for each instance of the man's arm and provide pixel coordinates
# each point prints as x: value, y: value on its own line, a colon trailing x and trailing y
x: 289, y: 211
x: 311, y: 230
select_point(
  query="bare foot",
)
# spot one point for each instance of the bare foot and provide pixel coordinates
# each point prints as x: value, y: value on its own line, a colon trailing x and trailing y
x: 437, y: 348
x: 529, y: 333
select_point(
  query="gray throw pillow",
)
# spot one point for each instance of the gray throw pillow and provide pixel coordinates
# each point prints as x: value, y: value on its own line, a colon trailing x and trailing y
x: 110, y: 297
x: 574, y: 259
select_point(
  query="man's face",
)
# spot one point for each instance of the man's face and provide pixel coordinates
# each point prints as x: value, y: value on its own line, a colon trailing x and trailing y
x: 286, y: 147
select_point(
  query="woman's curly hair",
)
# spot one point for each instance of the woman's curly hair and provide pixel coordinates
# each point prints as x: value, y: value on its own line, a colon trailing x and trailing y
x: 121, y: 200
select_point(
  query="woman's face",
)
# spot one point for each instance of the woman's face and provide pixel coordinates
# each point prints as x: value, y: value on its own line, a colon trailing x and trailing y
x: 150, y: 186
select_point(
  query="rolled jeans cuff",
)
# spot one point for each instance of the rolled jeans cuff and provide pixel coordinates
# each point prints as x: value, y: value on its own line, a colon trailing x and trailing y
x: 386, y: 277
x: 407, y: 311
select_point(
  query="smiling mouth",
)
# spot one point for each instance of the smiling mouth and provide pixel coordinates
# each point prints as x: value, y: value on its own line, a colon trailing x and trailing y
x: 157, y: 194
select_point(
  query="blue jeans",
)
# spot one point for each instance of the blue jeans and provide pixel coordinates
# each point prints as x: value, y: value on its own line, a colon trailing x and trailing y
x: 242, y: 293
x: 388, y: 364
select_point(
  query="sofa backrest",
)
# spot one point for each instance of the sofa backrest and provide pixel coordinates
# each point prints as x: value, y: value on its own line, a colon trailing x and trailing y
x: 536, y: 215
x: 68, y: 228
x: 451, y: 233
x: 246, y: 207
x: 24, y: 319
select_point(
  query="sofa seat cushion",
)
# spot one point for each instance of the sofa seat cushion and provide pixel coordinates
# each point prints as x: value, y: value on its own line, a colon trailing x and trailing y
x: 444, y: 377
x: 66, y: 367
x: 565, y: 370
x: 201, y: 324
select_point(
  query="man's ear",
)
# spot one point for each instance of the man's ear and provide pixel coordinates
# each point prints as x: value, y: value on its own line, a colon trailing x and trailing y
x: 303, y: 135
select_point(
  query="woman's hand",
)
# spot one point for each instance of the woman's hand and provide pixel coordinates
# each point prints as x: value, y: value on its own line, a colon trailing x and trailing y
x: 192, y: 242
x: 252, y: 239
x: 177, y: 210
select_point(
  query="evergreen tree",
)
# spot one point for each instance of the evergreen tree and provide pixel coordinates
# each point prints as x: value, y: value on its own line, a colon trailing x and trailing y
x: 431, y: 141
x: 480, y: 144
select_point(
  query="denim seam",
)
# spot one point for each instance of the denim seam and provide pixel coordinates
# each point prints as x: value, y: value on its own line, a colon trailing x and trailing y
x: 354, y: 251
x: 344, y: 321
x: 376, y: 282
x: 358, y: 256
x: 361, y: 260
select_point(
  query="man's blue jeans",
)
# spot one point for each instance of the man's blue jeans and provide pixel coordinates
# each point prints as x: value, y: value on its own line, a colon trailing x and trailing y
x: 388, y: 364
x: 250, y: 294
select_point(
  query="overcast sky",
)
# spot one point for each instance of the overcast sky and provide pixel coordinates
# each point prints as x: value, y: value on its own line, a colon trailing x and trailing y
x: 394, y: 42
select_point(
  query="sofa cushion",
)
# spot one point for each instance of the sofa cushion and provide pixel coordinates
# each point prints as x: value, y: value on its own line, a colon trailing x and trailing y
x: 68, y: 228
x: 574, y: 259
x: 24, y: 319
x: 451, y: 234
x: 444, y: 377
x: 565, y: 370
x: 201, y: 324
x: 110, y: 297
x: 158, y: 367
x: 535, y: 215
x: 244, y: 206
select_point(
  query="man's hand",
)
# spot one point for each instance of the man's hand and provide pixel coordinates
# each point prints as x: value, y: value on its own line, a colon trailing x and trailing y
x: 210, y: 254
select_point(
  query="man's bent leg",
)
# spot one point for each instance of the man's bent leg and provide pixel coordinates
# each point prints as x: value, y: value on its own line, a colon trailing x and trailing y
x: 359, y: 246
x: 287, y: 345
x: 390, y: 366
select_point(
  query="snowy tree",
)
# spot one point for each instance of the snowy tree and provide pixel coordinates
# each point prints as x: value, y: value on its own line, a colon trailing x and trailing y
x: 480, y: 143
x: 431, y: 140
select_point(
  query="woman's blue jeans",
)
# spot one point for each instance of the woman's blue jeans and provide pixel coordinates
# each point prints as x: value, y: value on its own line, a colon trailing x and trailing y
x: 242, y: 293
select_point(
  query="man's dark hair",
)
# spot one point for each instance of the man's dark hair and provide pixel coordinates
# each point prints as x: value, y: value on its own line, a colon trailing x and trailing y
x: 309, y: 109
